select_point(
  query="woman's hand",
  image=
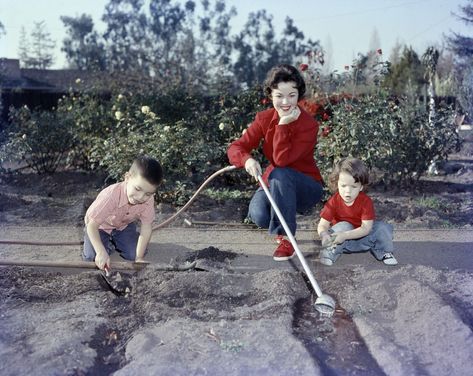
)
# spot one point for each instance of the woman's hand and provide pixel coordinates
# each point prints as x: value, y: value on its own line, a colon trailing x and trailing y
x: 253, y: 168
x: 289, y: 118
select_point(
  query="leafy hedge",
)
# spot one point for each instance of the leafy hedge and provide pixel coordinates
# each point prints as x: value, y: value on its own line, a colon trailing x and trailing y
x: 393, y: 136
x: 190, y: 134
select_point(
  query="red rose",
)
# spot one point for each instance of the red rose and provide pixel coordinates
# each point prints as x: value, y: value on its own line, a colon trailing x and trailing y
x: 303, y: 67
x: 264, y: 101
x: 325, y: 116
x: 379, y: 51
x: 325, y: 131
x: 347, y: 67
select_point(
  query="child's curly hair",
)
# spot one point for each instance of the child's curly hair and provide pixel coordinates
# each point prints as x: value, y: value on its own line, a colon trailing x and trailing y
x: 351, y: 166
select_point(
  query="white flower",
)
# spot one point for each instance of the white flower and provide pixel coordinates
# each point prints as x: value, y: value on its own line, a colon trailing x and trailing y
x: 221, y: 126
x: 78, y: 80
x: 118, y: 115
x: 120, y: 96
x: 23, y: 137
x: 166, y: 128
x: 152, y: 114
x: 145, y: 110
x: 105, y: 143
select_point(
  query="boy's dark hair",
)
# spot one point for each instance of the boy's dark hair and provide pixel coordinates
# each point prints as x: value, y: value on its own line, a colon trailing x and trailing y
x: 283, y: 73
x: 149, y: 168
x: 352, y: 166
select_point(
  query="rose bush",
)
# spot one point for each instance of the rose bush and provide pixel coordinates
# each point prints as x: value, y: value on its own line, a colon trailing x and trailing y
x: 392, y: 136
x: 40, y: 139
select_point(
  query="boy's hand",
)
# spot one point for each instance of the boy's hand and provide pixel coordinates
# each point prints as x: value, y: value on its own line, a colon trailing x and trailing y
x: 102, y: 260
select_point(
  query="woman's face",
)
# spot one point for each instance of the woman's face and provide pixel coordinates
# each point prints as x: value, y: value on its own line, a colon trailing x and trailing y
x: 285, y: 97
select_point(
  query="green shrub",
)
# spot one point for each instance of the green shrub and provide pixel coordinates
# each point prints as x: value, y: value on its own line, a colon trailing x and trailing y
x: 181, y: 146
x: 394, y: 137
x: 91, y: 119
x: 41, y: 139
x: 188, y: 134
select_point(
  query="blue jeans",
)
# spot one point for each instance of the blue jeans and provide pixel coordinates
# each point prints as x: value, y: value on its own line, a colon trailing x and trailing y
x: 378, y: 241
x: 124, y: 242
x: 293, y: 192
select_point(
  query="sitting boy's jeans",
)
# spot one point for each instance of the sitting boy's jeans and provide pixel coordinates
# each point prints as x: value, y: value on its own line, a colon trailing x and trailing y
x: 378, y: 241
x: 293, y: 192
x: 124, y: 242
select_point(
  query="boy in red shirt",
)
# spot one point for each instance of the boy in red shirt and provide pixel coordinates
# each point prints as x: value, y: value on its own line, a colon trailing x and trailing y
x: 347, y: 221
x: 290, y: 135
x: 110, y: 220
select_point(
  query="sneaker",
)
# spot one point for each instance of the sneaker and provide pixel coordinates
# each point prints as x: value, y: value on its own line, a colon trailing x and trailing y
x: 328, y: 255
x: 389, y: 259
x: 284, y: 251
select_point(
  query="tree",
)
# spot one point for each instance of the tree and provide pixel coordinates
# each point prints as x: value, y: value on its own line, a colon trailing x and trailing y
x: 176, y: 45
x: 406, y: 77
x: 375, y: 42
x: 126, y: 39
x: 395, y: 56
x: 37, y: 52
x: 328, y: 56
x: 213, y: 48
x: 82, y: 46
x: 430, y: 59
x: 24, y: 47
x: 169, y: 41
x: 258, y: 49
x: 462, y: 45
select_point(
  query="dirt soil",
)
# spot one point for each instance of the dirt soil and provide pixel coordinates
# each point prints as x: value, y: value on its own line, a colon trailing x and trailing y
x: 412, y: 319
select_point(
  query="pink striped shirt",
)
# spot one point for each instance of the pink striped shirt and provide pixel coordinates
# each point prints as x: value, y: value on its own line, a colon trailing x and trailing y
x: 111, y: 209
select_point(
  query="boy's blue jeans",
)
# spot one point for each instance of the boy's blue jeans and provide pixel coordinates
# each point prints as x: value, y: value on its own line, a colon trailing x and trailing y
x: 124, y: 242
x: 293, y: 192
x: 378, y: 241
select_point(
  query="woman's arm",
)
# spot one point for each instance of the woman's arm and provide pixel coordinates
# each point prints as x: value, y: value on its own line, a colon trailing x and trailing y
x: 240, y: 150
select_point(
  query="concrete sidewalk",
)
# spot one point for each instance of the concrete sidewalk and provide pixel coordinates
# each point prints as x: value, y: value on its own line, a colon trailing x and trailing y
x: 439, y: 249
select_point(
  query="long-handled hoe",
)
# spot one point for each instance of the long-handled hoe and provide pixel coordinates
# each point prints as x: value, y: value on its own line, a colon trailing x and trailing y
x: 324, y: 303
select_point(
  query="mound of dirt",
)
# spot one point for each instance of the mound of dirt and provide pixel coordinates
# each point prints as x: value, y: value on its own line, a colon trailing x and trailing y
x: 200, y: 321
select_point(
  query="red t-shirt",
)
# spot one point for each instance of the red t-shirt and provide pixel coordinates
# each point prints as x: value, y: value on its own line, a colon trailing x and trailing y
x: 335, y: 210
x: 290, y: 145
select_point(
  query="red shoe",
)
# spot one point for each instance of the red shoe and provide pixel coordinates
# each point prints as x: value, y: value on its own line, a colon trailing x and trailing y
x: 284, y: 251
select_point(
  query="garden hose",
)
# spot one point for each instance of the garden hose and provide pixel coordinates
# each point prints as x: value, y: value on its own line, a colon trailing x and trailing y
x: 155, y: 227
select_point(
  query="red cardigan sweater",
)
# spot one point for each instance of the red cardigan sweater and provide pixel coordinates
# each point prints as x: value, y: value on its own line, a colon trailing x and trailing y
x: 291, y: 145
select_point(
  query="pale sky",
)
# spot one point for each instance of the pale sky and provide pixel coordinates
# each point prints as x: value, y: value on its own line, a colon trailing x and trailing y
x: 346, y: 27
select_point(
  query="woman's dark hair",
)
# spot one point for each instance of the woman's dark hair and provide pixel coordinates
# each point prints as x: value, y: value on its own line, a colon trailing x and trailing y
x: 351, y: 166
x: 149, y: 168
x: 283, y: 73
